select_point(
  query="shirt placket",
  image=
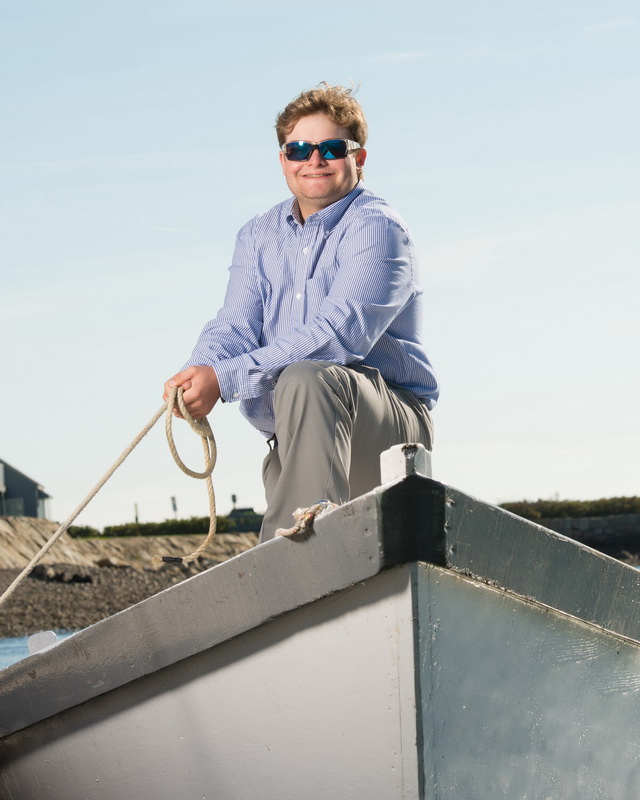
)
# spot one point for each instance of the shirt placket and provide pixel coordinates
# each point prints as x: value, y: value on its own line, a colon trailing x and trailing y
x: 305, y: 257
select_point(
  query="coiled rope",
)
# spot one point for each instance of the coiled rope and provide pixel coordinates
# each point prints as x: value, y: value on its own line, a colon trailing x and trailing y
x: 200, y: 427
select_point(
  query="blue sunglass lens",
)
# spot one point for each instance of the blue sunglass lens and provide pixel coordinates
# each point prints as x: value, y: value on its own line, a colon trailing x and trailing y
x: 298, y: 151
x: 330, y: 149
x: 333, y: 148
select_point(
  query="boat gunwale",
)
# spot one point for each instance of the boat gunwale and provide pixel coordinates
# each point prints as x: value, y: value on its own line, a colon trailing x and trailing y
x: 411, y: 519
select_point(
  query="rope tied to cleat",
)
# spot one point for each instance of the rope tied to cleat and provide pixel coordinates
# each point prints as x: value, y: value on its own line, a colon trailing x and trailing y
x: 305, y: 517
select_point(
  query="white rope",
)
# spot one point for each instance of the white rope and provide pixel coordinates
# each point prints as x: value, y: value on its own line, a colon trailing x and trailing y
x: 305, y: 518
x: 203, y: 430
x: 201, y: 427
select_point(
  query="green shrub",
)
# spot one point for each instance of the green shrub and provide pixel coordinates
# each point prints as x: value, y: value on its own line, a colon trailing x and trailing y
x: 170, y: 527
x: 82, y: 532
x: 244, y: 521
x: 547, y: 509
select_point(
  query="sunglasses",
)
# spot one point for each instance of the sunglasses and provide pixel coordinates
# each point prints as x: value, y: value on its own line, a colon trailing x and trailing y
x: 330, y: 149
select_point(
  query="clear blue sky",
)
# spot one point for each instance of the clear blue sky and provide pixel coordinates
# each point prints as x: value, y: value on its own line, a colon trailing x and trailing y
x: 138, y: 137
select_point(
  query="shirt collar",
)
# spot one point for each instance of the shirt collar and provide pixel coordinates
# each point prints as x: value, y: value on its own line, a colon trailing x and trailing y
x: 330, y: 216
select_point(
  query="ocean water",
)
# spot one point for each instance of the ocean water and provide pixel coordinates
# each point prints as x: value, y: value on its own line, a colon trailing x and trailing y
x: 14, y: 650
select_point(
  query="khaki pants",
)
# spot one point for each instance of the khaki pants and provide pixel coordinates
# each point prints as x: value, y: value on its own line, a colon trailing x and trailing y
x: 332, y: 423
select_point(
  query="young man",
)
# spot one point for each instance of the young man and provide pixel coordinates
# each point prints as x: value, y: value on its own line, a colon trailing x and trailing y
x: 318, y: 337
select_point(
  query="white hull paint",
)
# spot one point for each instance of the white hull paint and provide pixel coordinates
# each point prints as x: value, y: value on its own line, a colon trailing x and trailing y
x: 420, y: 644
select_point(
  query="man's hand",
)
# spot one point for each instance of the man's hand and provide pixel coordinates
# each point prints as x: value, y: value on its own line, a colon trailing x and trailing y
x: 200, y: 387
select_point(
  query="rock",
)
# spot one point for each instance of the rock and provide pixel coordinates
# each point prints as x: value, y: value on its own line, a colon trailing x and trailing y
x: 64, y: 574
x: 110, y: 562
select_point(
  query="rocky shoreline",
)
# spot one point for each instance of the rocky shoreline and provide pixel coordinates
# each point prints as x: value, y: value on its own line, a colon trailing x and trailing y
x: 81, y: 581
x: 70, y: 597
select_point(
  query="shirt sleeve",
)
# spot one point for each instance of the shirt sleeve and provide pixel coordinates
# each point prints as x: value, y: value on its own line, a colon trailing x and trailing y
x: 373, y: 284
x: 237, y: 327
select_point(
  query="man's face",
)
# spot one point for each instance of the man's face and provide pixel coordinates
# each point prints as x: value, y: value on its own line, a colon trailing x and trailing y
x: 317, y: 183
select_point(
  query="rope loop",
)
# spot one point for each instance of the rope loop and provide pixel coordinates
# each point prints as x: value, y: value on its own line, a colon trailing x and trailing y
x: 200, y: 427
x: 203, y: 429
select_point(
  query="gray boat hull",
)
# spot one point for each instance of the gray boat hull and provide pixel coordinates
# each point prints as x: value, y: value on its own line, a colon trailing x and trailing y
x: 393, y: 654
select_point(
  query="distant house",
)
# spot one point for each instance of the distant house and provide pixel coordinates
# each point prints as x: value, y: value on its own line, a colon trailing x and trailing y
x: 243, y: 520
x: 20, y: 496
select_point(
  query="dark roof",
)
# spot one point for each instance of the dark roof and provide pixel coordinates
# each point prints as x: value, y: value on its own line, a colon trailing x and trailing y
x: 40, y: 488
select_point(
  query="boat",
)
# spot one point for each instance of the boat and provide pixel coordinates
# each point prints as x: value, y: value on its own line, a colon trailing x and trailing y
x: 416, y: 643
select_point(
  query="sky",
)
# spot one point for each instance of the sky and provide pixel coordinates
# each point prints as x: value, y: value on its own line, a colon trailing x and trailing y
x: 138, y: 137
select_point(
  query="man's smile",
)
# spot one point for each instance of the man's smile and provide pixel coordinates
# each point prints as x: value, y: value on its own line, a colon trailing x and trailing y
x: 318, y: 182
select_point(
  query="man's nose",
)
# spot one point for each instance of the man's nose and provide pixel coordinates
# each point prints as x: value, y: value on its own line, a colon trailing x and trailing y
x: 315, y: 158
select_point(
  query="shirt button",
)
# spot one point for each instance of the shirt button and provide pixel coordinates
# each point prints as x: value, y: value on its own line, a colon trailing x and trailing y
x: 235, y: 394
x: 298, y: 296
x: 305, y: 250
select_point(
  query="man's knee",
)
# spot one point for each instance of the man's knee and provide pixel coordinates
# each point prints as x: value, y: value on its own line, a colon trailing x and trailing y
x: 308, y: 385
x: 301, y: 375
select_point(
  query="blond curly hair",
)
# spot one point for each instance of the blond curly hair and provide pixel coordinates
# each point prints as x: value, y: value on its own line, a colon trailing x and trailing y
x: 337, y: 102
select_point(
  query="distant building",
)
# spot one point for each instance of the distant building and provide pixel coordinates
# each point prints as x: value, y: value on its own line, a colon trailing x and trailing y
x: 243, y: 520
x: 20, y: 496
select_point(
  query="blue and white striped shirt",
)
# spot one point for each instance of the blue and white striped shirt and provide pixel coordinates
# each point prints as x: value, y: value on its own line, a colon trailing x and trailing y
x: 341, y: 287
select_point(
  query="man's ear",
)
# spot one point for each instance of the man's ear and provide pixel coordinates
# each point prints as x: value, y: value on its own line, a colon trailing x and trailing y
x: 282, y: 161
x: 361, y: 157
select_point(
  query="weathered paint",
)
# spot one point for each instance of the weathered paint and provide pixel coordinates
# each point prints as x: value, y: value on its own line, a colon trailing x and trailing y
x: 313, y: 704
x: 404, y: 459
x: 518, y: 701
x: 294, y: 669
